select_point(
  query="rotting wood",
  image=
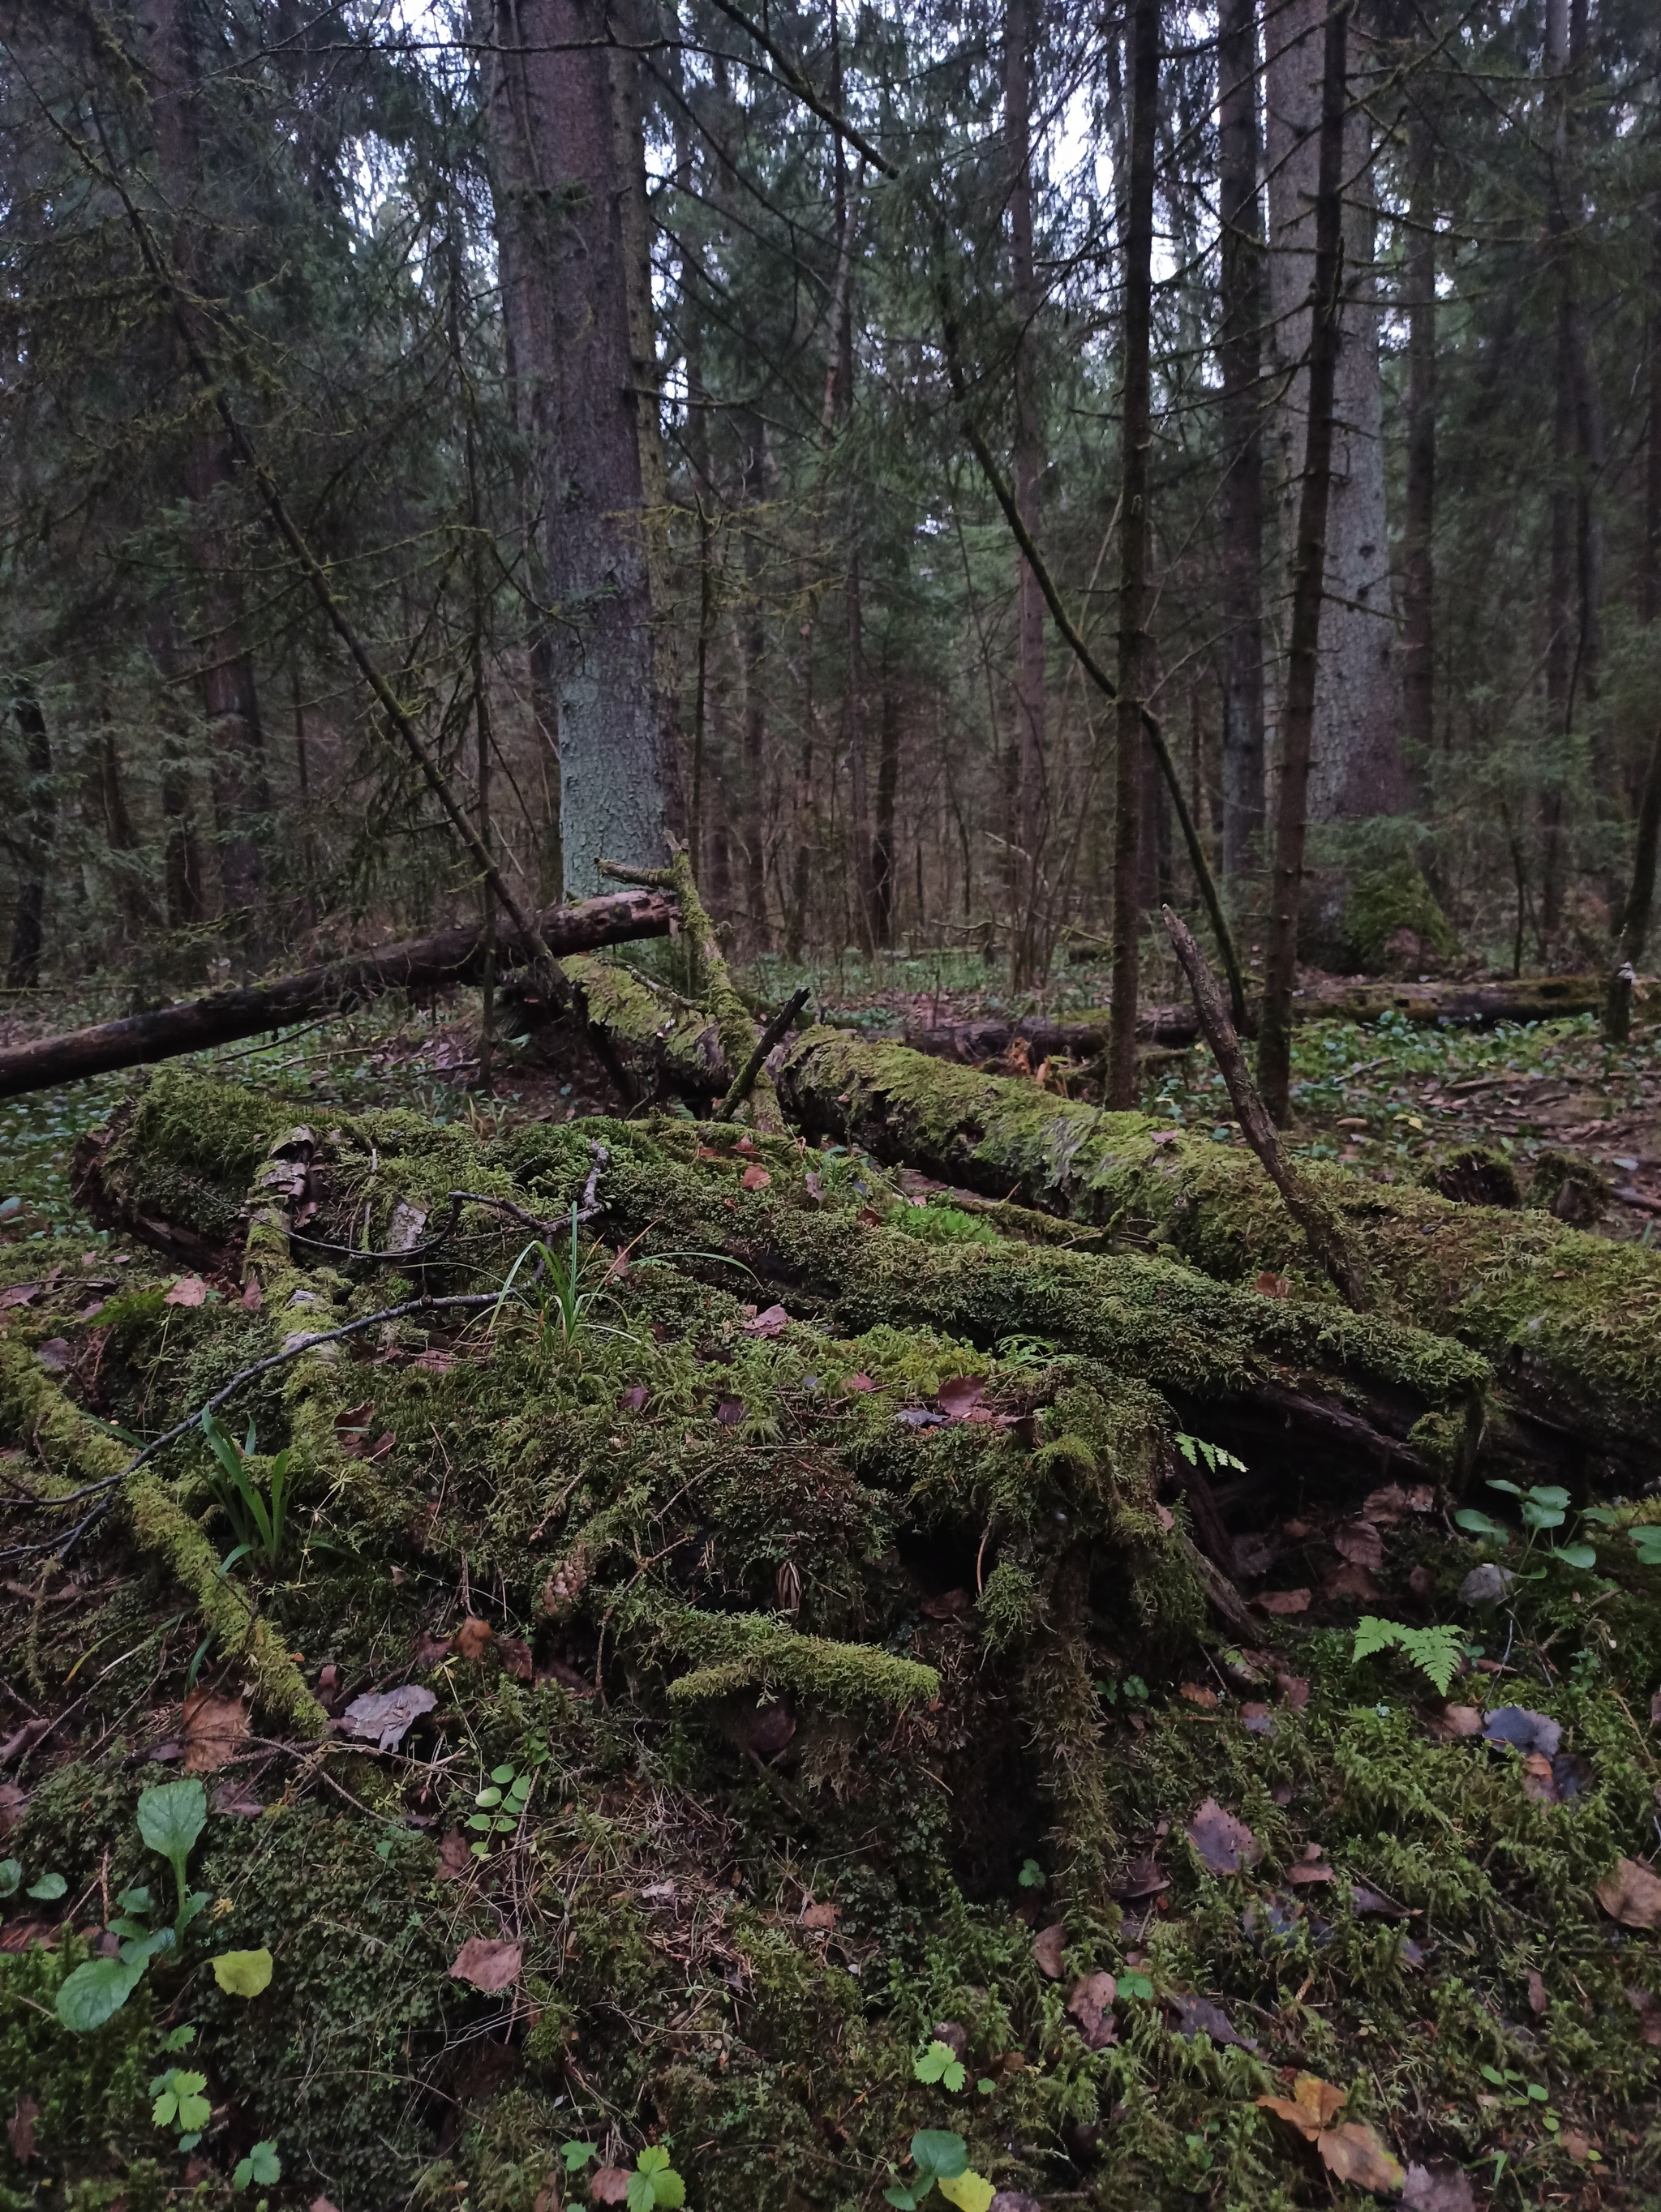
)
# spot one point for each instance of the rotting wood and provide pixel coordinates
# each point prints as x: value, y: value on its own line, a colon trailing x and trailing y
x: 453, y: 955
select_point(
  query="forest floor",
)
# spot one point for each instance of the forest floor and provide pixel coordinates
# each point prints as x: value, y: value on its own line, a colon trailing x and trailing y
x: 1354, y: 1937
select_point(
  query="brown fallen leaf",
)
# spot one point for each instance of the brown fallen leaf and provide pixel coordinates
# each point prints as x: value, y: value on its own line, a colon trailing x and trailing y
x: 1528, y: 1731
x: 1396, y: 1500
x: 1309, y: 1865
x: 772, y: 1321
x: 1363, y: 1897
x: 488, y: 1965
x: 821, y: 1917
x: 1538, y: 1999
x: 1271, y: 1285
x: 1225, y: 1844
x: 19, y: 1294
x: 1360, y: 1543
x: 1440, y: 2186
x: 19, y: 2127
x: 745, y: 1143
x: 188, y: 1290
x: 55, y: 1355
x: 1048, y: 1945
x: 1538, y: 1781
x: 1578, y: 2145
x: 610, y: 2185
x: 1358, y: 2153
x: 473, y: 1638
x: 958, y: 1398
x: 236, y: 1799
x: 13, y: 1803
x: 1313, y: 2105
x: 1282, y: 1602
x: 1090, y: 2005
x: 321, y: 2204
x: 949, y: 1605
x: 1352, y: 1580
x: 730, y: 1412
x: 214, y: 1729
x: 755, y: 1177
x: 1199, y: 2016
x: 1256, y: 1720
x: 430, y: 1648
x: 1462, y: 1720
x: 384, y: 1717
x: 455, y: 1855
x: 861, y: 1382
x: 1630, y: 1893
x: 1141, y: 1878
x: 516, y: 1658
x: 1013, y: 2200
x: 1198, y: 1695
x: 1294, y: 1688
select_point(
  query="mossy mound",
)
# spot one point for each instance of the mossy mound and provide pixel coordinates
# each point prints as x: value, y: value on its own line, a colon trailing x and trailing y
x: 1392, y: 923
x: 815, y: 1654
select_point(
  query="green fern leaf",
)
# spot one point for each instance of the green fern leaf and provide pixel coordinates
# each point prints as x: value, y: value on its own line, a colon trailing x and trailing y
x: 1373, y: 1635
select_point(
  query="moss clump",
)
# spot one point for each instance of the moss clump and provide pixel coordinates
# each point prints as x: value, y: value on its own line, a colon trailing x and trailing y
x: 736, y: 1651
x: 1385, y: 900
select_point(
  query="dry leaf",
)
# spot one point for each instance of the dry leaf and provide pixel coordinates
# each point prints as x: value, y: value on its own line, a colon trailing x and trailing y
x: 472, y: 1637
x: 215, y: 1729
x: 1199, y: 2016
x: 1294, y: 1688
x: 1630, y: 1893
x: 1578, y: 2145
x: 321, y: 2204
x: 1354, y: 1581
x: 1012, y: 2200
x: 188, y: 1290
x: 610, y: 2185
x: 12, y: 1804
x: 1256, y: 1720
x: 1312, y: 2106
x: 773, y: 1322
x: 1528, y: 1731
x: 1226, y: 1844
x: 1197, y: 1695
x: 19, y: 1294
x: 1648, y: 2006
x: 1363, y: 1897
x: 1282, y: 1602
x: 1538, y: 1782
x: 755, y: 1177
x: 516, y: 1658
x: 236, y: 1799
x: 488, y: 1965
x: 1089, y: 2004
x: 1394, y: 1500
x: 860, y: 1383
x: 1359, y: 2154
x: 1309, y: 1865
x: 19, y: 2127
x: 1271, y: 1285
x: 1462, y: 1720
x: 1141, y: 1878
x: 958, y: 1398
x: 1538, y: 1999
x: 1361, y: 1543
x: 455, y: 1856
x: 1441, y: 2187
x: 820, y: 1916
x: 730, y: 1412
x: 384, y: 1717
x: 1048, y: 1946
x: 55, y: 1355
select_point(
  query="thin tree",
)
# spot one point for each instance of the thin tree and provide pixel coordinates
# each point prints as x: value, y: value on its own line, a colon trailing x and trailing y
x: 1309, y: 572
x: 1020, y: 38
x: 1419, y: 513
x: 1136, y: 436
x: 1240, y: 359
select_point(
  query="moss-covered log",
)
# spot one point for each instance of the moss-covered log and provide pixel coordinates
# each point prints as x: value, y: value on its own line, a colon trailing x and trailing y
x: 1569, y: 1321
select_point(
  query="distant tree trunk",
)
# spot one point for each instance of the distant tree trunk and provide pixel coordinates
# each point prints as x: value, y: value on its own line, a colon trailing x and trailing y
x: 1240, y: 359
x: 1559, y: 577
x: 561, y: 186
x: 753, y: 815
x: 235, y: 738
x: 1030, y: 823
x: 1137, y: 432
x: 33, y: 846
x: 1309, y: 569
x: 1418, y: 555
x: 1355, y: 767
x: 182, y: 886
x: 883, y: 859
x: 1649, y: 595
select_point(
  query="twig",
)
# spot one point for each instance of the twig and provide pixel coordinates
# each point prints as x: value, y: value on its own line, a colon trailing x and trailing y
x: 745, y: 1080
x: 1324, y: 1232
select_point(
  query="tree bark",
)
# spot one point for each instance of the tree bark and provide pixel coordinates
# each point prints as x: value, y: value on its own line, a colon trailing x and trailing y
x: 1031, y: 808
x: 1355, y: 765
x: 455, y: 956
x: 1136, y: 435
x: 1239, y: 352
x: 33, y: 844
x: 561, y: 190
x: 884, y: 860
x: 1298, y: 724
x: 1418, y: 555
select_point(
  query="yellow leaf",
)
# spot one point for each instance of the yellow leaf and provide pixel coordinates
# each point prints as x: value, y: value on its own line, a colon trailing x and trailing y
x: 969, y: 2190
x: 1358, y: 2153
x: 1313, y: 2104
x: 243, y: 1974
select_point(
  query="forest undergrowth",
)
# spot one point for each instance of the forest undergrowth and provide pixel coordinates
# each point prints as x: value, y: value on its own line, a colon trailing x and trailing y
x: 726, y: 1718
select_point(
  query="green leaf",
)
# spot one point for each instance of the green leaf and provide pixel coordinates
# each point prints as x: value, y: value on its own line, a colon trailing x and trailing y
x: 243, y: 1974
x: 986, y: 2085
x: 1646, y: 1542
x: 11, y: 1871
x: 1549, y: 1494
x: 969, y: 2190
x: 479, y: 1820
x: 95, y: 1991
x: 934, y: 2063
x: 577, y: 2155
x: 907, y: 2199
x: 1436, y: 1652
x: 653, y: 2159
x: 261, y: 2165
x: 1576, y: 1555
x: 487, y: 1798
x: 1478, y: 1524
x: 668, y: 2190
x: 181, y: 2038
x: 939, y: 2153
x: 642, y: 2194
x: 1031, y: 1874
x: 502, y: 1774
x: 163, y: 2110
x: 1538, y: 1515
x: 1373, y: 1635
x: 171, y: 1817
x: 137, y: 1900
x: 1133, y: 1984
x: 49, y: 1886
x: 143, y: 1947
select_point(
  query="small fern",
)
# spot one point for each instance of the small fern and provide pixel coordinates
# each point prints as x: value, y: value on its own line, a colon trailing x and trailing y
x: 1195, y: 1448
x: 1436, y: 1652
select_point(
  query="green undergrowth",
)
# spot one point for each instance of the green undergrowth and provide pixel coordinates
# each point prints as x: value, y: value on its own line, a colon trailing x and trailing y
x: 833, y: 1589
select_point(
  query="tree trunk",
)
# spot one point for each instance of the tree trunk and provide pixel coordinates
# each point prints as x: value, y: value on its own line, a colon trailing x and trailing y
x: 236, y: 742
x: 1031, y: 810
x: 561, y: 188
x: 1137, y: 433
x: 455, y: 956
x: 1355, y: 765
x: 1418, y: 557
x: 1239, y: 352
x: 33, y: 844
x: 884, y: 858
x: 754, y: 812
x: 1303, y: 663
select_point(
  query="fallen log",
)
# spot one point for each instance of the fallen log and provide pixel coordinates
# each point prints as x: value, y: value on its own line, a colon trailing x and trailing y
x: 1569, y: 1319
x: 977, y: 1038
x: 455, y: 956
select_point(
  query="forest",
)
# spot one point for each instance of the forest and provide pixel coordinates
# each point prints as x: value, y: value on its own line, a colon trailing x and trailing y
x: 830, y: 1105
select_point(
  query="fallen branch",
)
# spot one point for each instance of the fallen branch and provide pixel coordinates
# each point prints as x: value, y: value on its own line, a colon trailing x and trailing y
x: 744, y: 1081
x: 1322, y: 1230
x: 417, y: 963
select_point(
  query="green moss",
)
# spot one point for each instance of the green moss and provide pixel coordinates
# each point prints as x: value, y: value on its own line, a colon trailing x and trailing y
x: 1390, y: 896
x: 738, y: 1650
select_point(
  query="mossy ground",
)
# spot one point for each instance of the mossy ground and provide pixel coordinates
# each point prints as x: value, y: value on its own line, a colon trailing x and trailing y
x: 744, y: 1908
